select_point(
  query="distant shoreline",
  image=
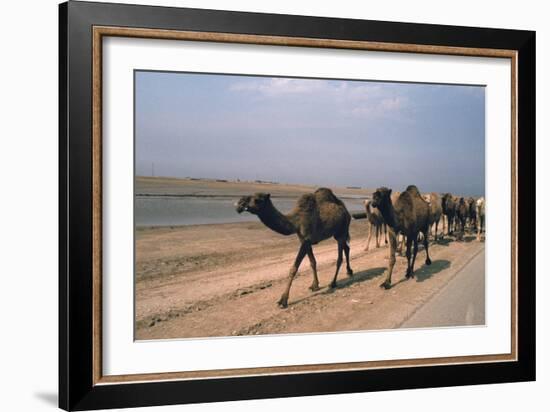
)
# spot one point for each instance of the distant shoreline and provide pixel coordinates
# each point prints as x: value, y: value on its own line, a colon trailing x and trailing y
x: 162, y: 202
x: 233, y: 195
x: 195, y: 187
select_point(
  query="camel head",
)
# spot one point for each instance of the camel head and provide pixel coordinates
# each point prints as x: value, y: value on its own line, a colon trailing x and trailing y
x: 380, y: 197
x: 445, y: 200
x: 368, y: 206
x: 253, y: 204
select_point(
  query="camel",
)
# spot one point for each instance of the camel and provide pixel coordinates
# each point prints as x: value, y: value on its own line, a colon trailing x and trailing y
x: 448, y: 206
x: 472, y: 215
x: 462, y: 213
x: 409, y: 215
x: 376, y: 223
x: 376, y: 214
x: 480, y: 211
x: 317, y: 216
x: 434, y: 201
x: 401, y: 238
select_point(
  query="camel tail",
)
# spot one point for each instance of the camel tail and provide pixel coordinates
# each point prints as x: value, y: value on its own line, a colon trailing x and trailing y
x: 362, y: 215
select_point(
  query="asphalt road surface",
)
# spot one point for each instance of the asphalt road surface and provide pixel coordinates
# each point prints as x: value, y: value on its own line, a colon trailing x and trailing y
x: 460, y: 302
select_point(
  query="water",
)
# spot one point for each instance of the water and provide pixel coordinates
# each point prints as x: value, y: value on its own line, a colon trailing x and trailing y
x: 176, y: 211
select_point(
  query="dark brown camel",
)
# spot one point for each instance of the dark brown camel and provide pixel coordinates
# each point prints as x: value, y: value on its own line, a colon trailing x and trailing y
x: 472, y: 215
x: 317, y: 216
x: 448, y: 205
x: 480, y: 211
x: 409, y: 215
x: 434, y: 201
x: 462, y: 212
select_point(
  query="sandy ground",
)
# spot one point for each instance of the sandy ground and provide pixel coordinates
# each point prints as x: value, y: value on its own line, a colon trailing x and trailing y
x: 225, y: 279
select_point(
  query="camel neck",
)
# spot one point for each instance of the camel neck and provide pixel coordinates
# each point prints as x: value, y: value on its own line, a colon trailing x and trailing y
x: 388, y: 214
x: 276, y: 221
x: 368, y: 210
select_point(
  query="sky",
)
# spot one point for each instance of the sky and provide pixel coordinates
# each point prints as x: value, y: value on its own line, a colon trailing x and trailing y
x: 311, y: 131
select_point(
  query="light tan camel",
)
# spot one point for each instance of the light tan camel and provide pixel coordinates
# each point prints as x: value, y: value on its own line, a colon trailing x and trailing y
x: 436, y: 210
x: 376, y: 223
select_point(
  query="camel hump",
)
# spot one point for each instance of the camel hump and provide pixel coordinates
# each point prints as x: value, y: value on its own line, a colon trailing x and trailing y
x: 413, y: 189
x: 405, y: 198
x: 326, y: 195
x: 307, y: 202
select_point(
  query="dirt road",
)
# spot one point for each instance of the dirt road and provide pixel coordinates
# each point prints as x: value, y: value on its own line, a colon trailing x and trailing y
x: 459, y: 302
x: 222, y: 280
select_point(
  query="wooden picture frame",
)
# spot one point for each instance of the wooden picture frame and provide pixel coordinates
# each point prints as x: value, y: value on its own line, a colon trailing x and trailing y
x: 82, y: 384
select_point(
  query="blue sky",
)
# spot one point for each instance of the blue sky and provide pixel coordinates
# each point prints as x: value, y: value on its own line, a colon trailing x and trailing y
x: 311, y: 131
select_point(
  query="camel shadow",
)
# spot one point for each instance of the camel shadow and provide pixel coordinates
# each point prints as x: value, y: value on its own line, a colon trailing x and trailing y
x: 443, y: 242
x: 362, y: 276
x: 466, y: 238
x: 356, y: 278
x: 427, y: 271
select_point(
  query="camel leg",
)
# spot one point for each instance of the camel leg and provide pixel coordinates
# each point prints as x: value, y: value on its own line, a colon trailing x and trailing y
x: 482, y: 227
x: 480, y: 223
x: 483, y: 224
x: 436, y: 225
x: 408, y: 254
x: 338, y: 264
x: 385, y: 234
x: 428, y: 260
x: 415, y: 251
x: 400, y: 241
x: 393, y: 246
x: 378, y: 236
x: 370, y: 235
x: 315, y: 284
x: 283, y: 302
x: 346, y: 252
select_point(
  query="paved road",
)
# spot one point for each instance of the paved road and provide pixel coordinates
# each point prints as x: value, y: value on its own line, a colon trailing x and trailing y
x: 460, y: 302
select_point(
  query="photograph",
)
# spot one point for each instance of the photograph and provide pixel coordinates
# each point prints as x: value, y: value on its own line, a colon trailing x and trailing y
x: 268, y: 205
x: 257, y: 205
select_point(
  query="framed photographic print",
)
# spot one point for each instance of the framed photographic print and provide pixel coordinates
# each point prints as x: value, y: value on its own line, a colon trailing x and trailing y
x: 258, y: 205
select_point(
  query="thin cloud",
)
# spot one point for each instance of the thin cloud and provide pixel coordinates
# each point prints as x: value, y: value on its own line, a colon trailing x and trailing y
x: 278, y: 86
x: 336, y: 89
x: 381, y: 107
